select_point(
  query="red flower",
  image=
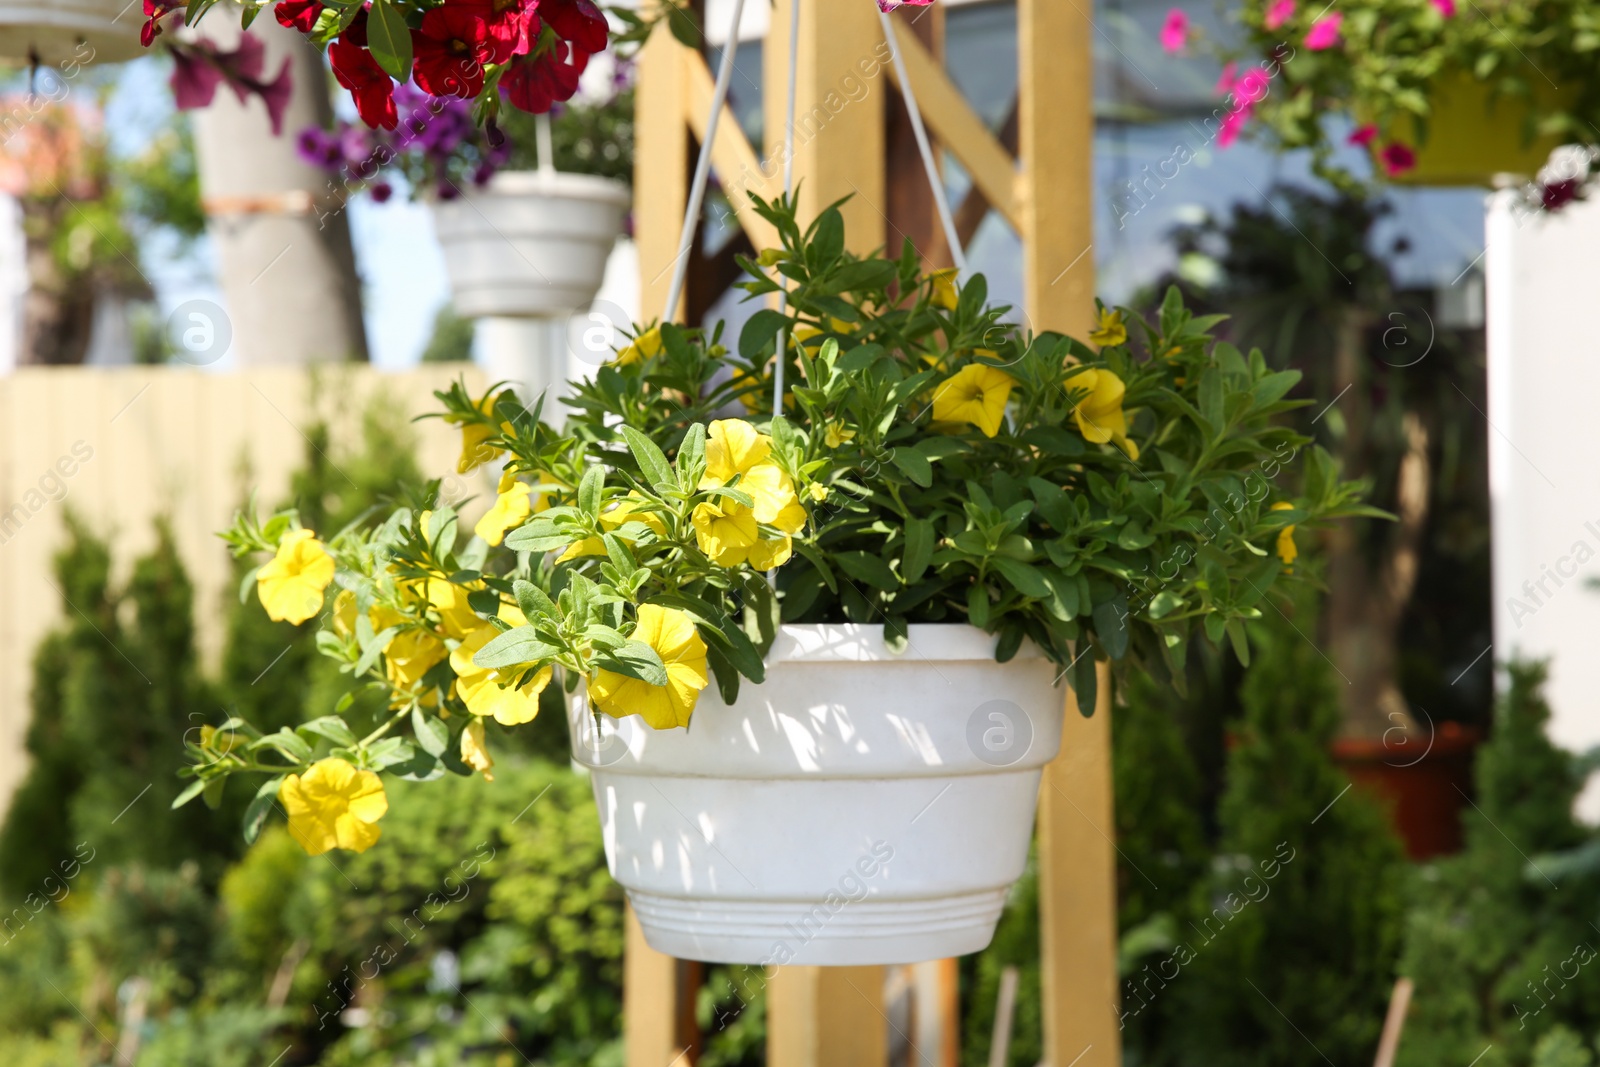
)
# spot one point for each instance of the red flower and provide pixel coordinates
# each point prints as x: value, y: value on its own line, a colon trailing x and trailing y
x: 154, y: 10
x: 1398, y: 158
x: 513, y: 26
x: 1363, y: 135
x: 578, y: 21
x: 368, y: 83
x: 535, y: 83
x: 451, y: 49
x: 298, y: 14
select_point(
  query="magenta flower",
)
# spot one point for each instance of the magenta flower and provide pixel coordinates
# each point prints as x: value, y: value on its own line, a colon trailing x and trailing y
x: 1232, y: 123
x: 1397, y: 158
x: 1279, y: 13
x: 1324, y: 32
x: 1252, y: 86
x: 1447, y: 8
x: 890, y: 5
x: 1363, y: 135
x: 1175, y: 32
x: 1225, y: 82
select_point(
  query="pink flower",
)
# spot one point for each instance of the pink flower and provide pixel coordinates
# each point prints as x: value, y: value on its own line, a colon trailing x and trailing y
x: 1324, y: 32
x: 1447, y: 8
x: 1232, y: 123
x: 1175, y: 31
x: 890, y: 5
x: 1397, y: 158
x: 1252, y: 86
x: 1226, y: 82
x: 1363, y: 135
x: 200, y: 67
x: 1279, y: 13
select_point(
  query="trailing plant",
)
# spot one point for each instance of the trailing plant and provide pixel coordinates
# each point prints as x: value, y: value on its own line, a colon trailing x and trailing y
x: 931, y: 464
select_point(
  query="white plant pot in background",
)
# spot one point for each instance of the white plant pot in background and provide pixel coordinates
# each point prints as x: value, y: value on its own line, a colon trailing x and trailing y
x: 57, y: 30
x: 859, y: 807
x: 531, y: 243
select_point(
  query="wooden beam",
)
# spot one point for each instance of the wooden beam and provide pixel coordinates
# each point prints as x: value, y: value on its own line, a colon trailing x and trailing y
x: 1078, y: 892
x: 827, y: 1017
x: 661, y: 167
x: 1056, y: 141
x: 839, y: 101
x: 652, y: 1004
x: 732, y: 158
x: 953, y: 121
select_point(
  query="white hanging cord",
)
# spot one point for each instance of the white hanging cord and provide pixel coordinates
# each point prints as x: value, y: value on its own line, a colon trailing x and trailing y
x: 702, y: 167
x: 934, y: 179
x: 788, y: 190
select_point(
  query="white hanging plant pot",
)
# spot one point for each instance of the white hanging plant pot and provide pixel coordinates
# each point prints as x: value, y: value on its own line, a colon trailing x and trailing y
x: 858, y: 807
x: 60, y: 32
x: 530, y: 243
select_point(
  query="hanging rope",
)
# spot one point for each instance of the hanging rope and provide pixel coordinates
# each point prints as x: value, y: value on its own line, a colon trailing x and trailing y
x: 702, y: 167
x: 940, y: 198
x: 788, y: 190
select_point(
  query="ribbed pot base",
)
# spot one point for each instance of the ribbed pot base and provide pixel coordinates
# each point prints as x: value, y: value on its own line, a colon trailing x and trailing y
x: 813, y: 933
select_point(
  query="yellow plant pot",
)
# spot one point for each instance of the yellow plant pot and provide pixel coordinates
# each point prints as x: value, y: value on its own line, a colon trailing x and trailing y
x: 1474, y: 135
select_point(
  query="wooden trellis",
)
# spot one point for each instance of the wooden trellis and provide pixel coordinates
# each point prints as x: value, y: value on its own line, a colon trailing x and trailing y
x: 849, y: 142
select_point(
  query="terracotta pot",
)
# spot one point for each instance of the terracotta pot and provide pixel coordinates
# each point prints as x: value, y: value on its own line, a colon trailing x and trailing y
x: 1424, y: 783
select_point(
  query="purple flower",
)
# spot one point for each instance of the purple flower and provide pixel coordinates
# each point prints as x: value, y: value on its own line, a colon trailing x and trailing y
x: 381, y: 192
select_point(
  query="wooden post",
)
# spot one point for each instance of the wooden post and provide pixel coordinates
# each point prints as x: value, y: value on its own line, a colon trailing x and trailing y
x: 654, y: 1000
x: 661, y: 167
x: 827, y: 1017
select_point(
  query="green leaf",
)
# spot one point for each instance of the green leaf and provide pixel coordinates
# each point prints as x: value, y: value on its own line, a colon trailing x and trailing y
x: 333, y: 728
x: 1111, y: 625
x: 738, y: 649
x: 865, y: 567
x: 190, y: 791
x: 896, y: 633
x: 391, y: 751
x: 1028, y: 581
x: 692, y: 458
x: 978, y: 605
x: 514, y: 647
x: 635, y: 660
x: 919, y: 550
x: 533, y: 602
x: 681, y: 21
x: 1241, y: 643
x: 432, y: 735
x: 1085, y: 681
x: 652, y: 461
x: 389, y: 38
x: 589, y: 488
x: 212, y: 793
x: 759, y: 332
x: 913, y: 465
x: 261, y: 806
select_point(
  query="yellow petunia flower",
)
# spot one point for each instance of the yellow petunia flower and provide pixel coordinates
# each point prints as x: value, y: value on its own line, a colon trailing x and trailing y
x: 512, y: 505
x: 646, y: 346
x: 475, y: 750
x: 487, y: 691
x: 733, y: 446
x: 672, y: 634
x: 344, y: 613
x: 334, y: 806
x: 725, y: 532
x: 817, y: 491
x: 1287, y: 551
x: 1099, y: 415
x: 836, y: 434
x: 291, y: 584
x: 626, y: 510
x: 770, y: 554
x: 450, y: 601
x: 946, y: 291
x: 1111, y: 331
x: 410, y: 655
x: 474, y: 451
x: 975, y: 394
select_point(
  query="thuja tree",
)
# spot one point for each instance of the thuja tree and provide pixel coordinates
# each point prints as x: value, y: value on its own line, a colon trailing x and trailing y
x: 1500, y: 942
x: 1293, y: 940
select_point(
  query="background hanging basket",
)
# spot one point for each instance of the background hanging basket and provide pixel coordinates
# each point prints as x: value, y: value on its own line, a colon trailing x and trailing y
x: 531, y: 243
x: 1474, y: 135
x: 57, y: 31
x: 859, y: 807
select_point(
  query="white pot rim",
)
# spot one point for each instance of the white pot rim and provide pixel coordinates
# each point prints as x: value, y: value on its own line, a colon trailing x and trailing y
x: 556, y: 184
x: 863, y: 643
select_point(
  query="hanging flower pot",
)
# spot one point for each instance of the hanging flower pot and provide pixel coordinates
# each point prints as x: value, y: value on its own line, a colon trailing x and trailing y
x: 61, y: 32
x: 530, y: 243
x: 859, y: 806
x: 1471, y: 137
